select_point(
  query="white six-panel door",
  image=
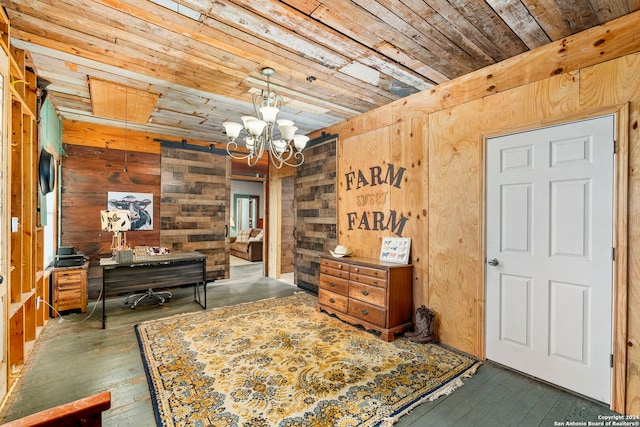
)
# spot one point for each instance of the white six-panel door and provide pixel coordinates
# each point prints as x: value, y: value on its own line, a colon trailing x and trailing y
x: 549, y: 216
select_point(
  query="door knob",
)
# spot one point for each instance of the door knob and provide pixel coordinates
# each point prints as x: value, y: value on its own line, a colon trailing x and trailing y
x: 493, y: 262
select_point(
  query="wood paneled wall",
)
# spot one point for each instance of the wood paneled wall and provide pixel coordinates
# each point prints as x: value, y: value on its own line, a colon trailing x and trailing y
x: 88, y: 174
x: 438, y: 136
x: 94, y: 165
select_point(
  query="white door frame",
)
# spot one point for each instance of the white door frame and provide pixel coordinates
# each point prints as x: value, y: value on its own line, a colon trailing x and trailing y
x: 620, y: 235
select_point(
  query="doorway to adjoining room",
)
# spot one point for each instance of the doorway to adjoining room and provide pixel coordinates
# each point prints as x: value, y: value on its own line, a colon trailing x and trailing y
x: 246, y: 259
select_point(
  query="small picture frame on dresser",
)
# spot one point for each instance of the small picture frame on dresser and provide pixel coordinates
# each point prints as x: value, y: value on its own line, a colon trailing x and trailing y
x: 395, y: 249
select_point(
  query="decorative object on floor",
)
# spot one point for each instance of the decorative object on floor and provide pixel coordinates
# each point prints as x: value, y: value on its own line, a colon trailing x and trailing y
x: 118, y: 222
x: 260, y: 137
x: 425, y: 326
x: 340, y: 251
x: 280, y: 362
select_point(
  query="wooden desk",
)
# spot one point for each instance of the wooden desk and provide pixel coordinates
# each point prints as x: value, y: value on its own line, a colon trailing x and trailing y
x: 157, y: 271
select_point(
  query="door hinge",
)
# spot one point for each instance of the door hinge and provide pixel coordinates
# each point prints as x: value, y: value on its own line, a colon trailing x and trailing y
x: 611, y: 360
x: 613, y: 254
x: 615, y: 146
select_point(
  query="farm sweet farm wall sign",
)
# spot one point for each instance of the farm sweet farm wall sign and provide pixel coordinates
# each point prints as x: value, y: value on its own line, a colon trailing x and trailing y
x: 371, y: 190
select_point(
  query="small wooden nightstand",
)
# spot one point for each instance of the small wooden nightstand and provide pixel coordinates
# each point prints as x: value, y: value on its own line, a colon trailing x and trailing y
x: 69, y: 288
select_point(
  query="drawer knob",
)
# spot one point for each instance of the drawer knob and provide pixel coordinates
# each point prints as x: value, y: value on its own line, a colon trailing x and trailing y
x: 365, y: 293
x: 332, y: 284
x: 332, y: 301
x: 339, y: 265
x: 365, y: 312
x: 356, y: 269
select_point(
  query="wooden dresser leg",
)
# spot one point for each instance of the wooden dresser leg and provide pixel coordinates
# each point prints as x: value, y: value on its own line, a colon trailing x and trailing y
x: 387, y: 336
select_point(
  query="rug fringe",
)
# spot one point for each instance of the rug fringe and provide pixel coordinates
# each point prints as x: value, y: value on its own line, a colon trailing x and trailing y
x: 443, y: 391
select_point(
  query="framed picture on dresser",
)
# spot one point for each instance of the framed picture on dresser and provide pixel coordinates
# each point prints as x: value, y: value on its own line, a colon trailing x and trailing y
x: 395, y: 249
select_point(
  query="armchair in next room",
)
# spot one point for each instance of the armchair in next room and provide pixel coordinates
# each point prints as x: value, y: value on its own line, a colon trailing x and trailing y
x: 247, y: 244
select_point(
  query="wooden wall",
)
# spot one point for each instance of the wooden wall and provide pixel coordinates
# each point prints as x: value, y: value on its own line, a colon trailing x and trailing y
x: 88, y: 174
x: 438, y: 137
x: 94, y: 164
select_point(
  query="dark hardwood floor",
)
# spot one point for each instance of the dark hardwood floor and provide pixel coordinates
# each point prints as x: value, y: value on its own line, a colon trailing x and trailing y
x: 75, y: 358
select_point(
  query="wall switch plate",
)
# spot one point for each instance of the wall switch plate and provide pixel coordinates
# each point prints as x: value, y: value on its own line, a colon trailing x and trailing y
x: 14, y: 224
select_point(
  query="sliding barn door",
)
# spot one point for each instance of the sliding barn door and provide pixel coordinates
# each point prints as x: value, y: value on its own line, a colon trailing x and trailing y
x: 315, y: 206
x: 194, y: 205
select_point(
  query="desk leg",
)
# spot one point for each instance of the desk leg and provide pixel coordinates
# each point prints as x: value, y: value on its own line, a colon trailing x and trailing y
x: 196, y: 293
x: 104, y: 305
x: 196, y: 289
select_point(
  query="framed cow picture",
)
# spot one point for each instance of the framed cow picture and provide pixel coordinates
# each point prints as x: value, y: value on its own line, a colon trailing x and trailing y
x: 395, y: 249
x: 140, y: 206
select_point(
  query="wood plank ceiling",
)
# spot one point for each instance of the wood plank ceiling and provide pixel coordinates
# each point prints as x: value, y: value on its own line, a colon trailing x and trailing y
x: 333, y: 58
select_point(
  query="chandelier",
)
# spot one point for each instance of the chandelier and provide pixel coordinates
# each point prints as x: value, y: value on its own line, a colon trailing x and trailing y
x: 284, y: 148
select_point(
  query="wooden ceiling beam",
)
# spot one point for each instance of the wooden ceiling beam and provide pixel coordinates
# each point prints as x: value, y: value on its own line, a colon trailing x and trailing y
x: 131, y: 59
x: 287, y: 23
x: 227, y: 39
x: 429, y: 46
x: 517, y: 16
x: 333, y: 59
x: 258, y: 50
x: 61, y: 25
x: 136, y: 49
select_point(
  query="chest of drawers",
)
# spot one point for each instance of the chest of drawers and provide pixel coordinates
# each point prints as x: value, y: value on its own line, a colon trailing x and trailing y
x: 376, y: 295
x: 69, y: 288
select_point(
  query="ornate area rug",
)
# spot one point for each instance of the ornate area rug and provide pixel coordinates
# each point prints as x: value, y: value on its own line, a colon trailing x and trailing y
x: 278, y: 362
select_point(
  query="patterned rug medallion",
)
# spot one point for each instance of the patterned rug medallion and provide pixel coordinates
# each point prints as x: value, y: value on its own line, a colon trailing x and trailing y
x: 278, y: 362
